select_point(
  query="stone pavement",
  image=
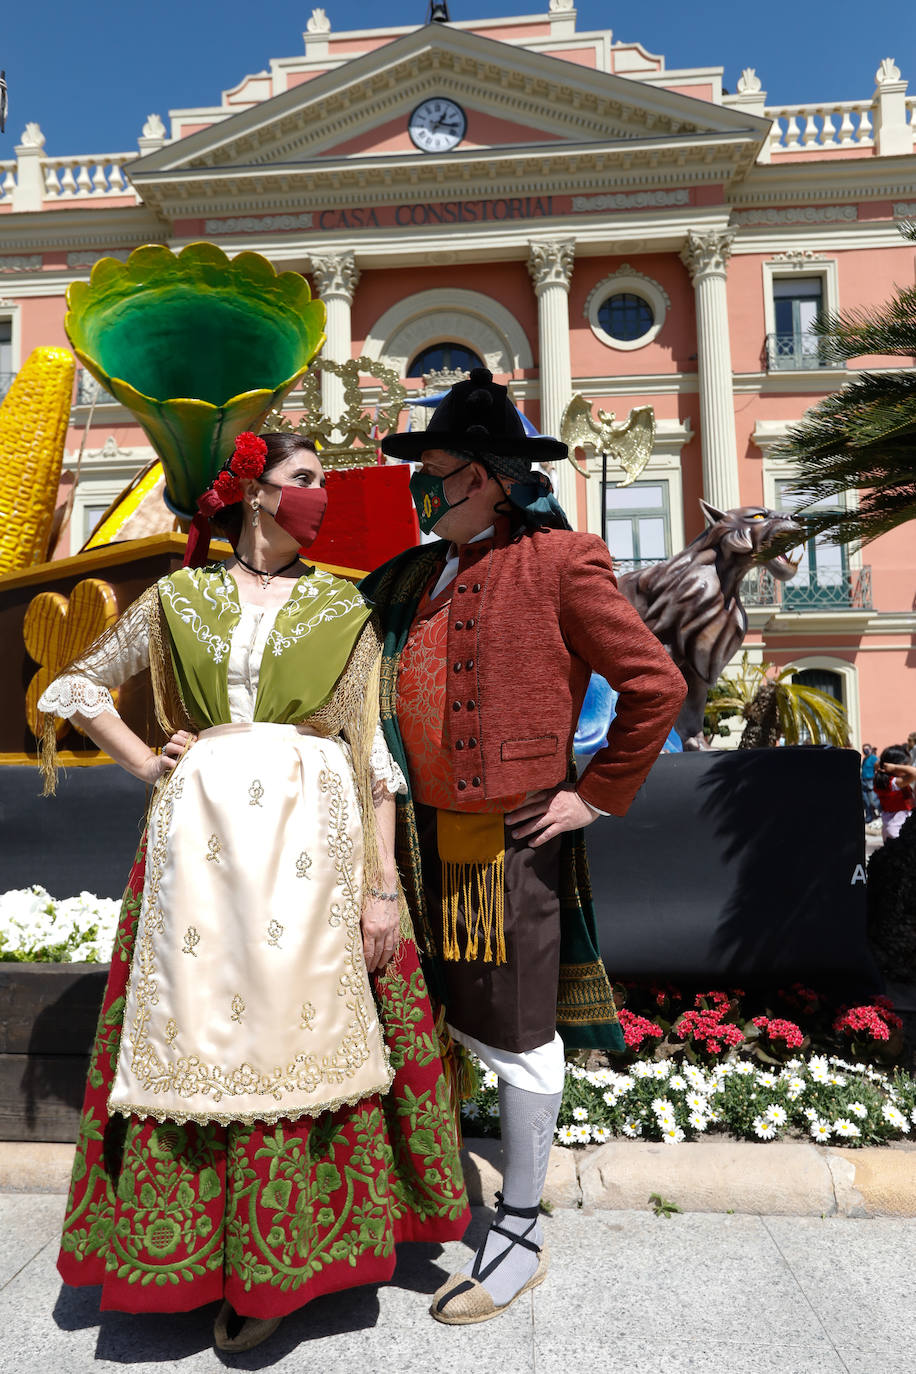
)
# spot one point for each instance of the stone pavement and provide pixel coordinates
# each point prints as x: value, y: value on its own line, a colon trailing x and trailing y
x: 627, y: 1292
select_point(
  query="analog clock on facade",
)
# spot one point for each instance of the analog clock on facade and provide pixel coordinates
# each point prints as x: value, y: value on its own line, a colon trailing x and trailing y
x: 438, y: 125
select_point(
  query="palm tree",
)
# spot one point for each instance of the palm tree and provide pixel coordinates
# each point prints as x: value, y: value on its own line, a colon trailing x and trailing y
x: 862, y: 438
x: 774, y: 706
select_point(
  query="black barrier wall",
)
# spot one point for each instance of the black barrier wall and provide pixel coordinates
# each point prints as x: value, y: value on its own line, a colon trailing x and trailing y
x: 83, y: 839
x: 741, y: 866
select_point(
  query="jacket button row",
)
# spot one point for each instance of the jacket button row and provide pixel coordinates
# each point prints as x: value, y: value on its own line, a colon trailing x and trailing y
x: 462, y: 588
x: 471, y: 624
x: 472, y: 743
x: 470, y: 664
x: 459, y: 624
x: 475, y: 782
x: 476, y: 587
x: 472, y: 705
x: 456, y: 705
x: 459, y: 743
x: 457, y: 667
x: 461, y: 784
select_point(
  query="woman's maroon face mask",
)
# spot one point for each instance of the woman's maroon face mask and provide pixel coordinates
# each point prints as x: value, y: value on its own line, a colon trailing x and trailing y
x: 300, y: 511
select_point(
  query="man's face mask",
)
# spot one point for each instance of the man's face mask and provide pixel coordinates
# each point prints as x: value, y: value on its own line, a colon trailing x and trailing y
x: 428, y: 492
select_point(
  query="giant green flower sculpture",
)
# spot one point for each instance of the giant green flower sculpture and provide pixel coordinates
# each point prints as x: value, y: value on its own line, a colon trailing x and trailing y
x: 198, y: 346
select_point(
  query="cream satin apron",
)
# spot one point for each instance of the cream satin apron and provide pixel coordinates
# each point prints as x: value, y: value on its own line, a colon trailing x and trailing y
x: 248, y: 997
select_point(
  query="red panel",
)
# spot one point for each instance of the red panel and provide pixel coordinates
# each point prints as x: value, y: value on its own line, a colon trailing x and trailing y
x: 370, y: 517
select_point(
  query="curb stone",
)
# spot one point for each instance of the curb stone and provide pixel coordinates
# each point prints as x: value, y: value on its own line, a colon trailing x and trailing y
x: 783, y: 1178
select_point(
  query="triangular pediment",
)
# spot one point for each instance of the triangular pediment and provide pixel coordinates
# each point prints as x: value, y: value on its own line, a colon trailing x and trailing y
x: 512, y: 97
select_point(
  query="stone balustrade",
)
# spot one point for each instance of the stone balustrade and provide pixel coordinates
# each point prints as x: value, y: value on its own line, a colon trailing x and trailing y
x: 99, y: 175
x: 812, y: 128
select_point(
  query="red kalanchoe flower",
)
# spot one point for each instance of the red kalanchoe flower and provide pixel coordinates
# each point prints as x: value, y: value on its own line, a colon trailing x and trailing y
x: 636, y: 1029
x: 859, y: 1020
x: 777, y: 1029
x: 249, y: 456
x: 228, y: 486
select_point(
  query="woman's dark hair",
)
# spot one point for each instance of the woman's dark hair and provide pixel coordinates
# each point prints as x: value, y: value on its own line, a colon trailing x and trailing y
x: 279, y: 447
x: 894, y: 753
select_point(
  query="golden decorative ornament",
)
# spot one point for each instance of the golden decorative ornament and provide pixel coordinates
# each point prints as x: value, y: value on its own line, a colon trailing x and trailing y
x: 57, y: 629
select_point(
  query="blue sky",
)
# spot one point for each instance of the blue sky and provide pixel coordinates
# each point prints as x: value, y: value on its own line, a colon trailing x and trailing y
x: 90, y: 74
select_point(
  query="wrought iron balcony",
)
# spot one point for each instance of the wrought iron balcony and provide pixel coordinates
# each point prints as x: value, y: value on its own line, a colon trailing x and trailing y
x: 89, y: 391
x: 628, y: 565
x: 846, y: 590
x: 6, y: 381
x: 796, y: 352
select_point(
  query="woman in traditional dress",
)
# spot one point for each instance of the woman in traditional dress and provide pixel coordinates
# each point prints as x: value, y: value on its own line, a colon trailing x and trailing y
x: 246, y: 1133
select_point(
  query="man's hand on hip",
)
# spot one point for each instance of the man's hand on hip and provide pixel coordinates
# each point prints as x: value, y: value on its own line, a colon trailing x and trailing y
x: 547, y: 814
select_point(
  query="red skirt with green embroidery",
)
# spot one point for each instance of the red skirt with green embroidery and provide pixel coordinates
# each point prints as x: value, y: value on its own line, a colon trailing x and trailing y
x: 168, y: 1217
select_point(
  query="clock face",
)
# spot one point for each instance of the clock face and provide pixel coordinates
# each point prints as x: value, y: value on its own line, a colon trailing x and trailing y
x: 438, y: 125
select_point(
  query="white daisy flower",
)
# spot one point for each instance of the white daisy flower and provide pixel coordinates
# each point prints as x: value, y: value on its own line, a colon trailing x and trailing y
x: 565, y: 1135
x: 672, y: 1135
x: 493, y: 1109
x: 767, y: 1080
x: 766, y: 1130
x: 838, y: 1080
x: 858, y: 1109
x: 818, y: 1061
x: 695, y: 1077
x: 610, y: 1098
x: 778, y: 1115
x: 641, y: 1069
x: 793, y: 1064
x: 743, y: 1069
x: 580, y: 1113
x: 661, y: 1070
x: 820, y: 1130
x: 820, y: 1075
x: 812, y: 1114
x: 712, y: 1116
x: 581, y: 1134
x: 490, y: 1079
x: 796, y: 1087
x: 632, y: 1128
x: 913, y: 1115
x: 698, y: 1121
x: 677, y: 1081
x: 471, y: 1110
x: 600, y: 1134
x: 895, y: 1117
x: 696, y: 1102
x: 845, y: 1128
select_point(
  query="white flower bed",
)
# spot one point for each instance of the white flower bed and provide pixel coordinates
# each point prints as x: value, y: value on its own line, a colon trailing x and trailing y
x: 828, y: 1100
x: 34, y: 926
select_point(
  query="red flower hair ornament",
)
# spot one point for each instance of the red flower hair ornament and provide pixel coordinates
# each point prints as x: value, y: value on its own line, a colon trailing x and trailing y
x: 247, y: 460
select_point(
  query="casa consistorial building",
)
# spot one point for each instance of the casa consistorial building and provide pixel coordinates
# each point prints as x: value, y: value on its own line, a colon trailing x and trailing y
x: 572, y: 213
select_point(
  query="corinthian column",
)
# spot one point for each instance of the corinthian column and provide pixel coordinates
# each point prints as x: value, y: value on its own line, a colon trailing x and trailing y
x: 336, y: 276
x: 705, y: 256
x: 550, y: 264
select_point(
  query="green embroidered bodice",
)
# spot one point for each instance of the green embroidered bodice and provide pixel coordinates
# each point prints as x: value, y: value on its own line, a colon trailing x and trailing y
x: 307, y: 649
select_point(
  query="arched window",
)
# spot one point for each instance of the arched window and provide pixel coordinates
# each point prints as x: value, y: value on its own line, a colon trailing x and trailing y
x: 823, y: 679
x: 444, y: 357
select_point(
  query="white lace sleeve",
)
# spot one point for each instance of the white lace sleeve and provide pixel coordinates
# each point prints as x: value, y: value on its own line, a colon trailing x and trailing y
x: 115, y: 656
x: 383, y: 767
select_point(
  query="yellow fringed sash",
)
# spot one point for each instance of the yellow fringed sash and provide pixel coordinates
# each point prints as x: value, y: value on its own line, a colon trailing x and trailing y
x: 472, y: 849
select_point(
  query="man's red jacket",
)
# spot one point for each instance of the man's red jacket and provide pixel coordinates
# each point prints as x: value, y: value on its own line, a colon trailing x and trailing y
x: 532, y: 616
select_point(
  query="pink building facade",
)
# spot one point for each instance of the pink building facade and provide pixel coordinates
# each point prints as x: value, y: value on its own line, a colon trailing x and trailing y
x: 570, y: 212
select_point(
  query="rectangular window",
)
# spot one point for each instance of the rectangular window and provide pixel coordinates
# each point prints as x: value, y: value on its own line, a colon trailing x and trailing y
x: 823, y: 574
x: 91, y: 517
x: 6, y: 356
x: 797, y: 302
x: 637, y: 528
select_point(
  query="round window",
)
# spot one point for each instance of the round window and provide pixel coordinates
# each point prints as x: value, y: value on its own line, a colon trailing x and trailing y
x: 626, y: 316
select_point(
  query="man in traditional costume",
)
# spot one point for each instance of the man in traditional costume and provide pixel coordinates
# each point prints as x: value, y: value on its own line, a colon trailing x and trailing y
x: 490, y: 636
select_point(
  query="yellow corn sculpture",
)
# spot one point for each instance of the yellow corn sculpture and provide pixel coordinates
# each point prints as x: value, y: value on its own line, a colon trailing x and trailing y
x: 33, y: 429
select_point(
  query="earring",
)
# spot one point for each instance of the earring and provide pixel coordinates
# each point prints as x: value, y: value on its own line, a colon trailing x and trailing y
x: 255, y: 517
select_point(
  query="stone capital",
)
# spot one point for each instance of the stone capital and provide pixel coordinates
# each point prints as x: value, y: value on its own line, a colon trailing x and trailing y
x: 550, y: 263
x: 706, y: 254
x: 336, y: 274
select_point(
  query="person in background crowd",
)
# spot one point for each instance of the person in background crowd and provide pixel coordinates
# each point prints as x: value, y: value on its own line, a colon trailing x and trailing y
x: 869, y: 795
x: 894, y: 786
x: 911, y: 746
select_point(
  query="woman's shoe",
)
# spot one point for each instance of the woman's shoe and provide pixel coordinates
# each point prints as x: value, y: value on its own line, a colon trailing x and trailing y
x: 463, y: 1300
x: 234, y: 1333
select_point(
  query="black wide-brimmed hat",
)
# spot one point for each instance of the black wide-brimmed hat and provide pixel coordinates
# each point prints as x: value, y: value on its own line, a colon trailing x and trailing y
x: 476, y: 417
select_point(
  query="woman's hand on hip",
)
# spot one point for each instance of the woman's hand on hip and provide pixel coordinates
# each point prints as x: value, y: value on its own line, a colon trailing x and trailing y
x: 544, y: 815
x: 381, y: 930
x: 158, y: 764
